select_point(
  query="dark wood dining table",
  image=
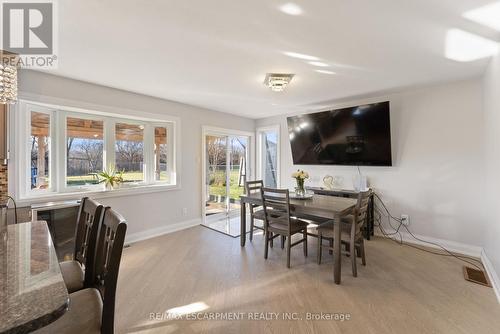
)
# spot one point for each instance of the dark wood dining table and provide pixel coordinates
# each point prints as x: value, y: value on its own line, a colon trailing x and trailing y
x: 32, y: 290
x: 317, y: 206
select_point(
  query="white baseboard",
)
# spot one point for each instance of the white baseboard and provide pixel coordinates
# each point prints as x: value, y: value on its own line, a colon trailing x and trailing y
x: 155, y: 232
x: 459, y: 248
x: 452, y: 246
x: 492, y: 274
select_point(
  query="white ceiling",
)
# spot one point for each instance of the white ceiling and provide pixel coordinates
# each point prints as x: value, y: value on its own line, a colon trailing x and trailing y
x: 215, y: 54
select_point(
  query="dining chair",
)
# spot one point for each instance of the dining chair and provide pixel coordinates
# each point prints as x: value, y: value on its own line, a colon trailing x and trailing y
x: 278, y: 222
x: 78, y: 273
x: 253, y: 187
x: 351, y: 233
x: 92, y: 310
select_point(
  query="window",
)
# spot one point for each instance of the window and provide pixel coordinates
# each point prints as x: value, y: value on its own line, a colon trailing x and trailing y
x: 66, y: 150
x: 84, y: 151
x: 40, y: 150
x: 129, y: 151
x: 161, y: 156
x: 268, y: 156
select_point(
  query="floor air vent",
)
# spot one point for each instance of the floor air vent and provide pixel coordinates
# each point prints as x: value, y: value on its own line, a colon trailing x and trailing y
x: 476, y: 276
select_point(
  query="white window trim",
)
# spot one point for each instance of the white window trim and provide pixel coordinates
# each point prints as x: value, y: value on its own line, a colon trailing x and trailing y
x: 170, y: 154
x: 259, y: 163
x: 78, y: 109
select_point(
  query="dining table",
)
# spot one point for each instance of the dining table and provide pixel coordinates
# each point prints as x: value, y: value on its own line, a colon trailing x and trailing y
x: 32, y: 289
x: 321, y: 206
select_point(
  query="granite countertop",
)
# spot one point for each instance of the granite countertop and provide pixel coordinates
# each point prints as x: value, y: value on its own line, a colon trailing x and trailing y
x: 32, y: 290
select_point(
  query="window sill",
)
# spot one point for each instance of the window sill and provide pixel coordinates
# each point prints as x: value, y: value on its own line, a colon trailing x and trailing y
x: 96, y: 194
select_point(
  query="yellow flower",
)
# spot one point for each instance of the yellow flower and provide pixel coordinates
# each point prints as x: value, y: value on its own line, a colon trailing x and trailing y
x: 300, y: 174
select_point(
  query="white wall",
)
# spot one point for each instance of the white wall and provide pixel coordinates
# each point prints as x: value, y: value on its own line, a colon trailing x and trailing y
x: 437, y: 170
x: 437, y: 137
x: 492, y: 156
x: 145, y: 211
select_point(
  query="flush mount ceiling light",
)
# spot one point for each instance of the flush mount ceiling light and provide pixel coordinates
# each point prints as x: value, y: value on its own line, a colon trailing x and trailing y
x: 488, y: 15
x: 291, y: 9
x: 8, y: 78
x: 277, y: 81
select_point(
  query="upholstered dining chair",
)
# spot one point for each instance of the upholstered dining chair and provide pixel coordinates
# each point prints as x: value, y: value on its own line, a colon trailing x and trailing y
x: 254, y: 187
x: 351, y: 233
x: 278, y: 222
x: 92, y: 310
x: 78, y: 273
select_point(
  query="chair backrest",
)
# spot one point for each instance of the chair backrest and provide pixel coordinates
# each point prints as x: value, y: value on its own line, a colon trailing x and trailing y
x: 276, y: 204
x: 108, y: 255
x: 252, y: 187
x: 361, y: 210
x: 87, y: 225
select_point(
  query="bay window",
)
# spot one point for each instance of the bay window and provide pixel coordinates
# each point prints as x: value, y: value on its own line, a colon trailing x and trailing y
x: 65, y: 150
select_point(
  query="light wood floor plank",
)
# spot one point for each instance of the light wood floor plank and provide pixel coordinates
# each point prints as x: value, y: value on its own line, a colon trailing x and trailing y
x: 401, y: 290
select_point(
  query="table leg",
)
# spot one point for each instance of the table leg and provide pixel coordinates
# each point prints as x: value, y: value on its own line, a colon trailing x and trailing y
x: 243, y: 223
x: 337, y: 270
x: 372, y: 215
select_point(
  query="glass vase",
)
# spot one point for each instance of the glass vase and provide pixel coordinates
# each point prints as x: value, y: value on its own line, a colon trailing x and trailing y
x: 299, y: 189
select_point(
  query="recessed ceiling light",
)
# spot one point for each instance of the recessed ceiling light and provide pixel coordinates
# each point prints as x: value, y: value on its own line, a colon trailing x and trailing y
x: 318, y: 63
x: 463, y: 46
x: 325, y: 72
x: 291, y: 9
x: 300, y: 56
x: 488, y: 15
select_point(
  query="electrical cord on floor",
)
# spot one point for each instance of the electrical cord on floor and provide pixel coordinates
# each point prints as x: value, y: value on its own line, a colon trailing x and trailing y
x: 10, y: 198
x: 390, y: 235
x: 401, y: 243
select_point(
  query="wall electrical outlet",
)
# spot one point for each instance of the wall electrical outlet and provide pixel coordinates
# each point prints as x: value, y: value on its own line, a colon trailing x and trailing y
x: 184, y: 212
x: 405, y: 220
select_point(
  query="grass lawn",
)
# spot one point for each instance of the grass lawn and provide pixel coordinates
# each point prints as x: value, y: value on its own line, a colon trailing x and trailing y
x: 218, y: 187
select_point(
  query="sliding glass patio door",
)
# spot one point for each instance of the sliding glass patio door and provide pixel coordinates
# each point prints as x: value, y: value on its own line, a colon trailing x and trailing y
x: 226, y: 171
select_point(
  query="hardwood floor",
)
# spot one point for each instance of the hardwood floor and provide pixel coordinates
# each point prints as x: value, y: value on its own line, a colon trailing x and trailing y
x: 401, y: 290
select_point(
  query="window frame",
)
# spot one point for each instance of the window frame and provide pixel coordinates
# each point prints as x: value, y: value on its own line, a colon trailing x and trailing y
x: 260, y: 132
x: 58, y: 150
x: 52, y: 152
x: 63, y: 182
x: 145, y: 150
x: 170, y: 152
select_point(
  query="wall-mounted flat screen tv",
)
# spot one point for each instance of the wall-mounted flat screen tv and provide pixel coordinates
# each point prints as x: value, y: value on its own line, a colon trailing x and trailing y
x: 359, y: 136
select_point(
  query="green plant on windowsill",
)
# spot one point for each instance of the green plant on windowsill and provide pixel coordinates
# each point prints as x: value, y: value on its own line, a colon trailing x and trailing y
x: 111, y: 177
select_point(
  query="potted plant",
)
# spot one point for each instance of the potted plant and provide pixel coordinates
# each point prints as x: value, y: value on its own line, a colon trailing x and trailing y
x: 111, y: 177
x: 300, y: 176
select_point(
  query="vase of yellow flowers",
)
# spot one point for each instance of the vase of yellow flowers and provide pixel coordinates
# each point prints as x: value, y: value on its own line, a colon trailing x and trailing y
x: 300, y: 176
